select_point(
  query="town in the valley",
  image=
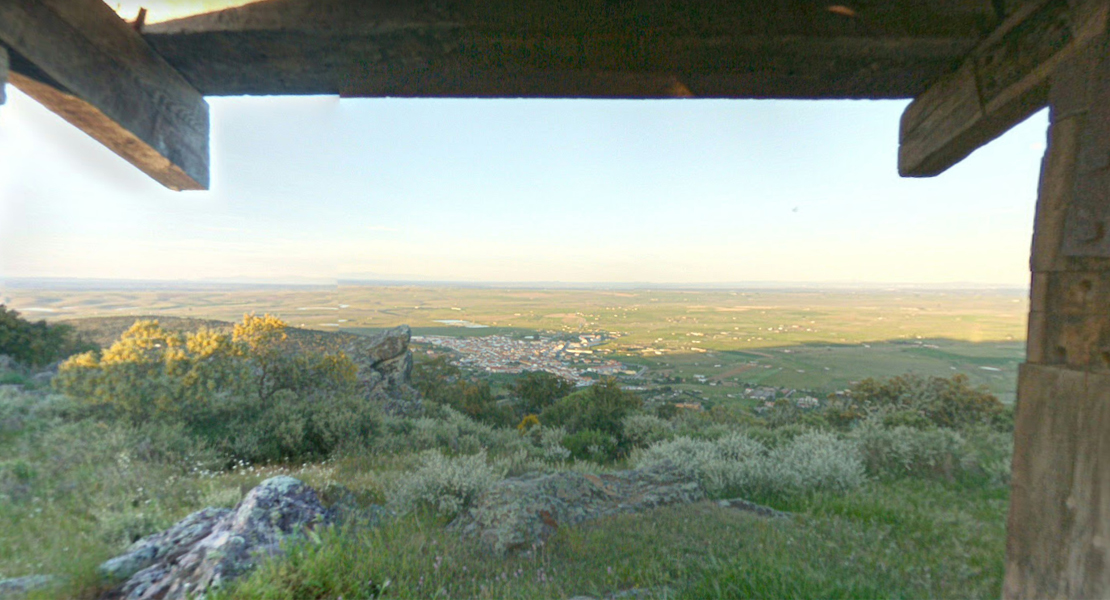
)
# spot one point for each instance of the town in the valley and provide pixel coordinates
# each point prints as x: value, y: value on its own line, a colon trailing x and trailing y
x: 580, y: 359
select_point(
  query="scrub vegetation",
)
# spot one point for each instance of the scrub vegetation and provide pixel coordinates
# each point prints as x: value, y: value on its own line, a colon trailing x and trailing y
x: 897, y: 488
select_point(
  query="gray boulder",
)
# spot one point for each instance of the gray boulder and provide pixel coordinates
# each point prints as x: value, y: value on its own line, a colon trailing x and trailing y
x: 520, y: 513
x: 19, y: 587
x: 385, y: 371
x: 166, y: 546
x: 756, y: 509
x: 396, y: 371
x: 388, y: 344
x: 213, y: 546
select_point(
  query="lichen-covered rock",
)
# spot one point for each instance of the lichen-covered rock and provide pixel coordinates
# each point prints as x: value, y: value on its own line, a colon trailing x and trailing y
x: 385, y: 371
x: 522, y: 512
x: 213, y: 546
x: 397, y: 370
x: 752, y: 507
x: 19, y: 587
x: 388, y: 344
x: 165, y: 546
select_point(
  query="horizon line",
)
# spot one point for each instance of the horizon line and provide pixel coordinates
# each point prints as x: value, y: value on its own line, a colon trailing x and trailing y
x: 110, y: 283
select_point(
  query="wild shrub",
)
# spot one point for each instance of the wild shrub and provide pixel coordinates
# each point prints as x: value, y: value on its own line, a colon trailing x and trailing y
x: 252, y: 394
x: 549, y: 443
x: 591, y: 444
x: 447, y: 430
x: 813, y: 461
x: 287, y: 427
x: 738, y: 464
x: 950, y: 403
x: 728, y: 464
x: 539, y: 389
x: 601, y: 407
x: 444, y: 485
x: 907, y: 451
x: 644, y: 430
x: 37, y: 343
x: 442, y: 382
x: 936, y: 453
x: 527, y: 423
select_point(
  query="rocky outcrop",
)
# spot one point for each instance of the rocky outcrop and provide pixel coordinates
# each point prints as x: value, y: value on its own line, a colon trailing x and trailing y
x: 212, y: 546
x: 520, y: 513
x: 385, y: 370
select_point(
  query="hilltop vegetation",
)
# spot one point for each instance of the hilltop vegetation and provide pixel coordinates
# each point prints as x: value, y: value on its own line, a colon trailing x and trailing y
x: 37, y: 344
x: 898, y: 487
x: 803, y: 339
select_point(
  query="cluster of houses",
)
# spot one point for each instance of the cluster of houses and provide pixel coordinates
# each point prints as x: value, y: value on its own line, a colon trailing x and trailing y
x: 503, y: 354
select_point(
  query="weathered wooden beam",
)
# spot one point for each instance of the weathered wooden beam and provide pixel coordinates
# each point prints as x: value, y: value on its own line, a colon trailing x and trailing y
x: 3, y: 73
x: 1058, y: 523
x: 1004, y: 80
x: 573, y: 48
x: 80, y: 60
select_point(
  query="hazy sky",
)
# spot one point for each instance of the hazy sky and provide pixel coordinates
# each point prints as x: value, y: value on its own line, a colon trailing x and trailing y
x: 575, y: 191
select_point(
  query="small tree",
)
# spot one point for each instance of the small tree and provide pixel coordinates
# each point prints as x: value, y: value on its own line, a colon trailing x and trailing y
x: 37, y: 344
x: 264, y: 340
x: 601, y: 408
x: 539, y: 389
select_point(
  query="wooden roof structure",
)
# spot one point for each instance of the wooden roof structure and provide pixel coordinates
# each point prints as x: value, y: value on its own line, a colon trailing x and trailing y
x: 139, y: 88
x: 974, y: 68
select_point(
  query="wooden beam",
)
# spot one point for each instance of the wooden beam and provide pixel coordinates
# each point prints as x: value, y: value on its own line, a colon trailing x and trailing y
x: 3, y: 73
x: 80, y: 60
x: 573, y: 48
x: 1002, y: 82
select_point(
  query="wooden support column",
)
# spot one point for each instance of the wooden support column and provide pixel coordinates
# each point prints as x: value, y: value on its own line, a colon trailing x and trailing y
x: 3, y: 73
x: 1058, y: 542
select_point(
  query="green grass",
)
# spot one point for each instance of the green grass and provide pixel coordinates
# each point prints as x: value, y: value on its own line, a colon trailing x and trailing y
x: 907, y: 539
x: 77, y: 492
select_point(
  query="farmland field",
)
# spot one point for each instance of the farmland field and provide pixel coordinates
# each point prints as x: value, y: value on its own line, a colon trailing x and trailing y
x: 805, y: 338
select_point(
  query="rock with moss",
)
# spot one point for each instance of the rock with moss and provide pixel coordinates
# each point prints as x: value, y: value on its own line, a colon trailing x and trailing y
x: 520, y: 513
x: 385, y: 371
x: 213, y: 546
x: 20, y: 587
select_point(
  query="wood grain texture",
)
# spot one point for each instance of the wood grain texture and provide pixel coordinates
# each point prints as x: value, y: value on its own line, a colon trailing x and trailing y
x: 1005, y: 79
x: 1058, y: 523
x: 78, y: 58
x: 575, y: 48
x: 3, y: 74
x: 1058, y: 530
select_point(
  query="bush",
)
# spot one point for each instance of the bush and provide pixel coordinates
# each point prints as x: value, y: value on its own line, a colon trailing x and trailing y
x: 644, y: 430
x: 290, y: 428
x: 538, y: 389
x: 728, y: 464
x: 936, y: 453
x: 527, y: 423
x: 950, y: 403
x: 813, y: 461
x: 254, y: 395
x: 444, y: 485
x: 441, y: 382
x: 601, y: 407
x: 590, y: 444
x: 37, y: 344
x: 739, y: 465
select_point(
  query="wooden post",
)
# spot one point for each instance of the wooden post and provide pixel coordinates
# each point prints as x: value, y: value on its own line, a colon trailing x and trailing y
x: 3, y: 73
x: 1058, y: 542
